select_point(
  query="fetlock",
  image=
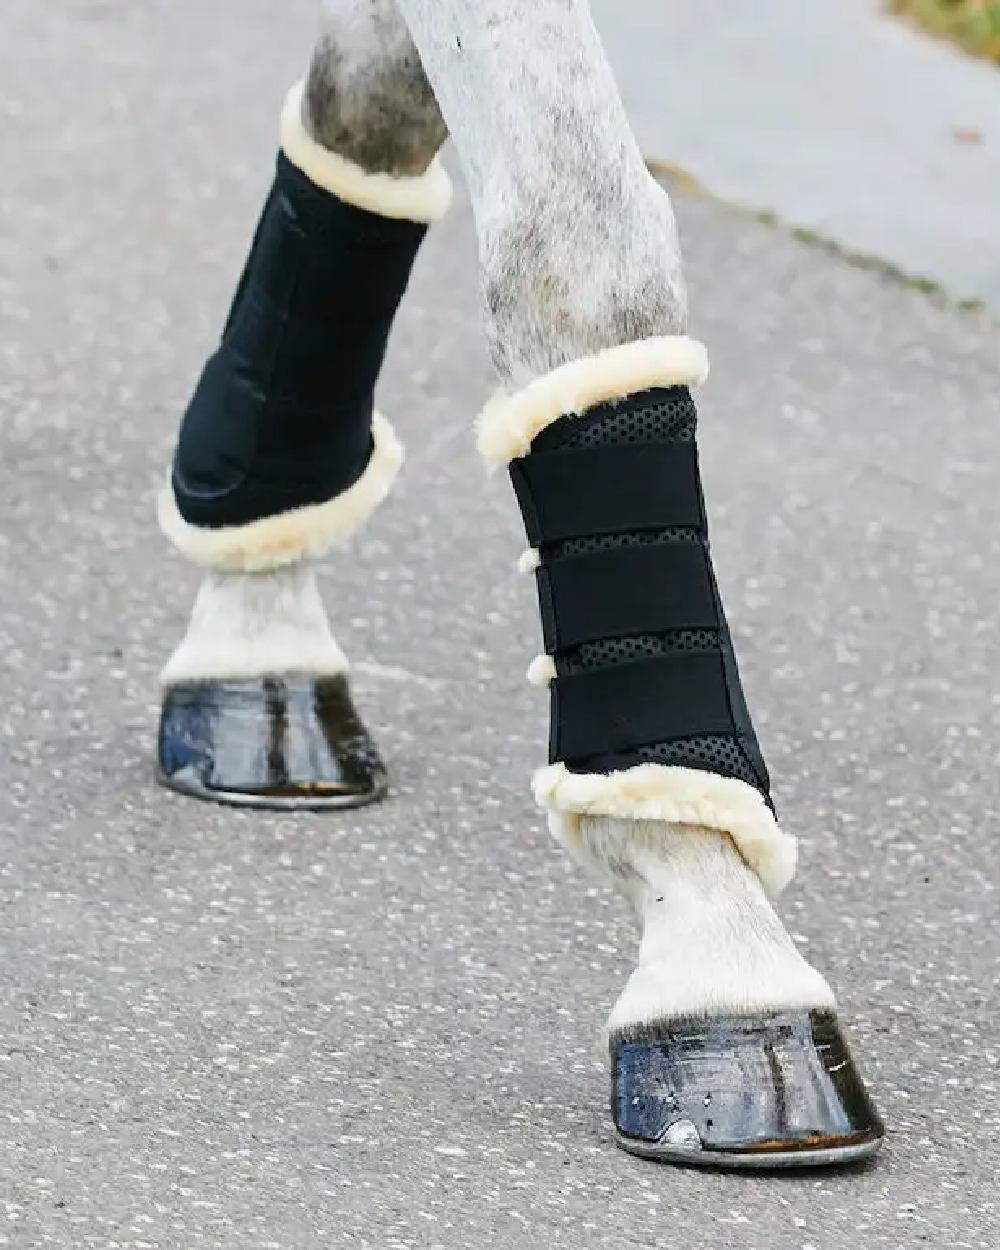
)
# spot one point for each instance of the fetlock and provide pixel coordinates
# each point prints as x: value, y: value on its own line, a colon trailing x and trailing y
x: 249, y: 625
x: 711, y: 942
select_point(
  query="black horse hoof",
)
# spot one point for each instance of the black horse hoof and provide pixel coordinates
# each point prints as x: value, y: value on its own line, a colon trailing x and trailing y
x: 276, y: 742
x: 774, y: 1091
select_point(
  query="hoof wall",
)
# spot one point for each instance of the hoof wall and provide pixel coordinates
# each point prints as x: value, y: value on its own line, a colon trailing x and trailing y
x: 274, y: 742
x: 775, y: 1091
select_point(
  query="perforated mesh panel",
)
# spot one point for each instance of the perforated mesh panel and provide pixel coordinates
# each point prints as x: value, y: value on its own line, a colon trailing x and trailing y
x: 714, y: 754
x: 606, y: 542
x: 664, y: 416
x: 608, y: 651
x: 669, y: 416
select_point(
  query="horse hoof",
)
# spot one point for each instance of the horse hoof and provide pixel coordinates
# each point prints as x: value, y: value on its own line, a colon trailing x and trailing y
x: 775, y: 1091
x: 276, y: 742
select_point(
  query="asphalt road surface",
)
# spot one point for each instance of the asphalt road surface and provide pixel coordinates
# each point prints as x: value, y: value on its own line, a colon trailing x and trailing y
x: 225, y: 1029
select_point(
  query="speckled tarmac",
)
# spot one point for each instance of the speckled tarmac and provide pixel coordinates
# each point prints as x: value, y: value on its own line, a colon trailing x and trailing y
x: 229, y: 1029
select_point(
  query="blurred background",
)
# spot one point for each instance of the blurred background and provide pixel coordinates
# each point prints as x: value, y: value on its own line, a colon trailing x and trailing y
x: 845, y: 123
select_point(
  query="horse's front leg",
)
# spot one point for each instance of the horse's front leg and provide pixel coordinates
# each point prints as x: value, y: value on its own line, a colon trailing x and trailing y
x: 281, y: 454
x: 724, y: 1044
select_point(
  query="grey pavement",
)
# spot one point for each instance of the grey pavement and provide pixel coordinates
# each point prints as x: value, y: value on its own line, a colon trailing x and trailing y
x: 831, y: 114
x: 225, y: 1029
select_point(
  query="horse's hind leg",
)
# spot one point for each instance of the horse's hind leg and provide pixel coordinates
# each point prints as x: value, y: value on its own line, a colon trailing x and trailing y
x: 724, y: 1043
x: 280, y: 454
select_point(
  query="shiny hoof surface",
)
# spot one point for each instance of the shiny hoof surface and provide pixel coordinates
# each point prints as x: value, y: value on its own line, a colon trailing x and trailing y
x: 275, y: 742
x: 772, y: 1091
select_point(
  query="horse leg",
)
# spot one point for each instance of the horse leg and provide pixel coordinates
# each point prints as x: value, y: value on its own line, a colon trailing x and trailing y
x: 724, y: 1044
x: 280, y: 454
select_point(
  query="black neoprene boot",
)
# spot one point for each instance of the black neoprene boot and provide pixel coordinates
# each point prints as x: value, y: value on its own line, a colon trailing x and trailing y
x: 280, y: 456
x: 649, y: 726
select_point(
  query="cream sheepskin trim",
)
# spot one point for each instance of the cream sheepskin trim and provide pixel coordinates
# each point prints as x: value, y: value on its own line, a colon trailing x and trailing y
x: 508, y: 423
x: 542, y: 671
x: 529, y: 560
x: 300, y: 533
x: 423, y: 198
x: 680, y: 796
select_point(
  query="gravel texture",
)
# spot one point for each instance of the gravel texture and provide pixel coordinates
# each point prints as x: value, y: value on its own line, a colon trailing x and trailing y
x: 229, y: 1029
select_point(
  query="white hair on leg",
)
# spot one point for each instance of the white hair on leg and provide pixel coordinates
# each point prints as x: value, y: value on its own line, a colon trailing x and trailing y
x: 577, y: 241
x: 712, y: 943
x: 247, y: 625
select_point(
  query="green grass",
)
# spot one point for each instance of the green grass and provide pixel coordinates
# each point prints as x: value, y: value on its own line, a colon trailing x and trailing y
x: 973, y: 24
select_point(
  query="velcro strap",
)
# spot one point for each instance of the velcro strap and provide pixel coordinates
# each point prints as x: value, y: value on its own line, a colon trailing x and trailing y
x: 626, y: 590
x: 605, y: 490
x: 680, y: 695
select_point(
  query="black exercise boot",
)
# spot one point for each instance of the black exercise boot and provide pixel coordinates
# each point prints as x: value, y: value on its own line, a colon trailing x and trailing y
x: 280, y: 456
